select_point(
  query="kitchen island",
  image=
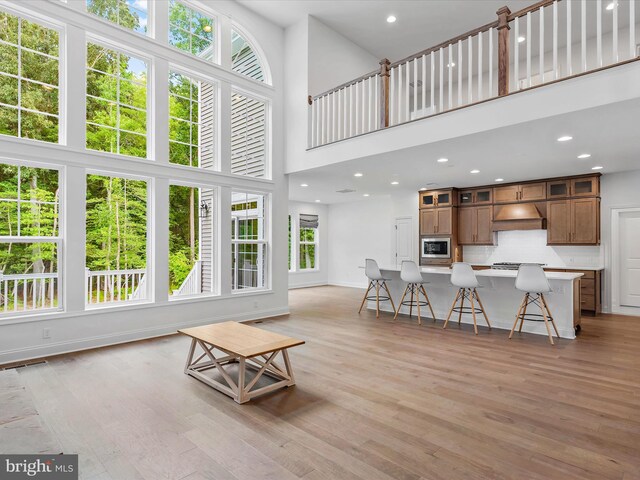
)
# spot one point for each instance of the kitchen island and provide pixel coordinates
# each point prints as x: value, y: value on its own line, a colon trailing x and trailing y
x: 499, y: 297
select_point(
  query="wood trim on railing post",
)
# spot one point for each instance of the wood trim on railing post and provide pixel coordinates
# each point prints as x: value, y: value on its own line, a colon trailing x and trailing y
x: 384, y: 92
x: 503, y: 50
x: 310, y: 100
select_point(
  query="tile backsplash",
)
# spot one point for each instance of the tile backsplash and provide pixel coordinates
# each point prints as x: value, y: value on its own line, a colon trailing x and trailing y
x: 531, y: 246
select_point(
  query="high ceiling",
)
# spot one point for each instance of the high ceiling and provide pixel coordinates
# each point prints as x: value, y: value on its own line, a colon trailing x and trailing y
x: 420, y: 23
x: 526, y: 151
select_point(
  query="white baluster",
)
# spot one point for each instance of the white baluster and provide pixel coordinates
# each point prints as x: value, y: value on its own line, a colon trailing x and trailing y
x: 541, y: 48
x: 407, y: 91
x: 491, y: 62
x: 371, y: 100
x: 569, y: 59
x: 480, y: 65
x: 599, y: 31
x: 459, y: 72
x: 470, y: 71
x: 364, y: 106
x: 351, y: 108
x: 415, y: 87
x: 392, y: 104
x: 334, y: 116
x: 399, y: 85
x: 433, y: 82
x: 450, y: 76
x: 516, y: 50
x: 424, y: 83
x: 441, y: 107
x: 529, y: 42
x: 632, y: 29
x: 583, y: 36
x: 615, y: 32
x: 555, y: 40
x: 376, y: 102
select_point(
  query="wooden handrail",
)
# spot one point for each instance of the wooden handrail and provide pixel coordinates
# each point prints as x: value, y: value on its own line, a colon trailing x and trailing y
x: 530, y: 8
x: 345, y: 85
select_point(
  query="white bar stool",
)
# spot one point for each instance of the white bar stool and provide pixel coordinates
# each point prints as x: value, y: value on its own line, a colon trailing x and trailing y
x: 463, y: 277
x: 376, y: 280
x: 532, y: 280
x: 410, y: 273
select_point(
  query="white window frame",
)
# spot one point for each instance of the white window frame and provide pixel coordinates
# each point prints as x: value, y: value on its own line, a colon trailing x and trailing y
x: 215, y: 58
x: 149, y: 93
x: 293, y: 245
x: 57, y: 240
x: 215, y: 240
x: 315, y: 243
x: 61, y: 116
x: 235, y: 242
x: 149, y: 282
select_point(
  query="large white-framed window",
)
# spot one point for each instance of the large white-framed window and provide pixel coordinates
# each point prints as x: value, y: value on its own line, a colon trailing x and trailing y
x: 245, y: 58
x: 193, y: 244
x: 193, y: 118
x: 249, y: 245
x: 249, y: 135
x: 192, y: 31
x: 130, y: 14
x: 308, y: 240
x: 29, y: 78
x: 117, y: 100
x: 116, y: 263
x: 30, y: 239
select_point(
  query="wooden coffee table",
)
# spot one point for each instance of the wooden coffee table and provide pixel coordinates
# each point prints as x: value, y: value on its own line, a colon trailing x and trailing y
x: 249, y: 348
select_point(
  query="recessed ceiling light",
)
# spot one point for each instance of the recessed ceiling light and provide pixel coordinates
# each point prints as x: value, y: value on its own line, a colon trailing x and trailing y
x: 395, y: 183
x: 357, y: 174
x: 565, y: 138
x: 317, y: 201
x: 423, y: 189
x: 611, y: 6
x: 584, y: 155
x: 499, y: 179
x: 597, y: 167
x: 474, y: 171
x: 391, y: 19
x: 304, y: 185
x: 521, y: 39
x: 365, y: 194
x: 443, y: 160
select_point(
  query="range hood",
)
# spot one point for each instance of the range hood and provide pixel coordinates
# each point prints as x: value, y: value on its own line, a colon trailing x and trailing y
x: 519, y: 216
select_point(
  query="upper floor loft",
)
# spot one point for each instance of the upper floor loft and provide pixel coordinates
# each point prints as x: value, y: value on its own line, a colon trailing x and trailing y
x: 551, y: 58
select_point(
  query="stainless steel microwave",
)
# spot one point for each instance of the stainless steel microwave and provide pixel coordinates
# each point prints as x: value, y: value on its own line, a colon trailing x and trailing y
x: 435, y: 247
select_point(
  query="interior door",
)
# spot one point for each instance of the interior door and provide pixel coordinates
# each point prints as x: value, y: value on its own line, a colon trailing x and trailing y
x: 630, y: 259
x: 404, y: 239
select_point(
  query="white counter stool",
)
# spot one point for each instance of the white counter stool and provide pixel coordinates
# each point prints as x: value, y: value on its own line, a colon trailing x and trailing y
x: 410, y: 273
x: 376, y: 280
x: 532, y: 280
x: 463, y: 277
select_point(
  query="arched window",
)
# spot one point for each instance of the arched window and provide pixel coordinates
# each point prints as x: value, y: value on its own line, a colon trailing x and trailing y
x: 245, y: 58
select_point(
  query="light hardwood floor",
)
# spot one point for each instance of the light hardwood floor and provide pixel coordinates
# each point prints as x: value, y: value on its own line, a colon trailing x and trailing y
x: 374, y: 400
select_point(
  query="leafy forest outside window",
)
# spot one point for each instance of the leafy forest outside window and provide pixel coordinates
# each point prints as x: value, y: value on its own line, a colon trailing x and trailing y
x: 116, y: 102
x: 29, y: 79
x: 191, y: 31
x: 308, y: 241
x: 191, y: 241
x: 30, y: 239
x: 116, y: 248
x: 130, y: 14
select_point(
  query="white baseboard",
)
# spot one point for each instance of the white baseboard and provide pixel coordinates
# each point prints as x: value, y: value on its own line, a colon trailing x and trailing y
x: 308, y: 285
x: 348, y: 284
x: 40, y: 351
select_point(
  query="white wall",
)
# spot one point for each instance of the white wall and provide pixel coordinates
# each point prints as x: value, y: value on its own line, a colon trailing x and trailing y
x: 319, y: 276
x: 365, y: 229
x: 619, y: 190
x: 77, y: 328
x: 333, y: 59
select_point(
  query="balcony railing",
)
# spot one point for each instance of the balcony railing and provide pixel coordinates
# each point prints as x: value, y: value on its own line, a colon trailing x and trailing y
x: 108, y: 286
x: 19, y: 293
x: 548, y: 41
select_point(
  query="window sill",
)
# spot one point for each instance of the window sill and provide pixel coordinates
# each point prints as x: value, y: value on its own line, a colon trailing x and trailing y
x: 305, y: 270
x: 97, y: 310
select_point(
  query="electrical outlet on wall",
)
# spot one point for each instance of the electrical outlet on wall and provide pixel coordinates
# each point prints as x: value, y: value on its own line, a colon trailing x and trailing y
x: 46, y: 333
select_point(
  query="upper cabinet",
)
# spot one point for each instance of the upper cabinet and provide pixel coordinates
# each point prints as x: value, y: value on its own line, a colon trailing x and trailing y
x: 479, y: 196
x: 526, y: 192
x: 573, y: 187
x: 438, y: 198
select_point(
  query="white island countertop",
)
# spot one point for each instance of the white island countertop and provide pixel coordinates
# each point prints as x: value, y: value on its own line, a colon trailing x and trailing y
x: 494, y: 273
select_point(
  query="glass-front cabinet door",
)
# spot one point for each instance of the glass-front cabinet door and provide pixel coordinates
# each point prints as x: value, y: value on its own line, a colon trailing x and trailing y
x: 444, y: 199
x: 558, y: 189
x: 465, y: 197
x: 482, y: 196
x: 585, y: 187
x: 427, y: 199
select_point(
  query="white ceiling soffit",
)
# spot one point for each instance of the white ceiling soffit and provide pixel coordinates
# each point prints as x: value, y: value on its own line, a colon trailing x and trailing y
x: 526, y: 151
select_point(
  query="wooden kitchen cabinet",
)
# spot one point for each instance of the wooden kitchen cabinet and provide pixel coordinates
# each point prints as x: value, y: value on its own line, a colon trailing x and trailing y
x: 526, y: 192
x: 439, y: 198
x: 558, y: 189
x: 474, y: 226
x: 573, y: 222
x: 585, y: 187
x: 437, y: 221
x: 480, y: 196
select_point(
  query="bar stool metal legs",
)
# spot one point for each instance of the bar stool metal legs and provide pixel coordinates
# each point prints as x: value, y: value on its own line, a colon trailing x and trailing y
x: 377, y: 284
x: 470, y: 294
x: 415, y: 289
x: 545, y: 315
